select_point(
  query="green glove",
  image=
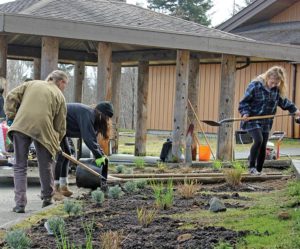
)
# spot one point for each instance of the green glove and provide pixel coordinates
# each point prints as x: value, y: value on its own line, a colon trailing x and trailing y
x: 101, y: 160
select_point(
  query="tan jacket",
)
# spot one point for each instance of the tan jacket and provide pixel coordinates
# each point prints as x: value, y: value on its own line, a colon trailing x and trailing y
x: 38, y: 109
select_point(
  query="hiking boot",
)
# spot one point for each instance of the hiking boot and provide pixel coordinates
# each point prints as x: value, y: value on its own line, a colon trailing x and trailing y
x: 19, y: 209
x: 254, y: 172
x: 47, y: 202
x: 64, y: 190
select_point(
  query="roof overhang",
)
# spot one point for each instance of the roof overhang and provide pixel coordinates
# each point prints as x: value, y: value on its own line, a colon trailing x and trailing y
x: 29, y: 25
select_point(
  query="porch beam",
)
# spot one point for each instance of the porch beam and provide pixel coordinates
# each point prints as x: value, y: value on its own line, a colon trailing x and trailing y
x: 49, y: 58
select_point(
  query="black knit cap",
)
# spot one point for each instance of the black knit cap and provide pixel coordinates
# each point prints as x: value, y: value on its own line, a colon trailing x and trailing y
x: 106, y: 108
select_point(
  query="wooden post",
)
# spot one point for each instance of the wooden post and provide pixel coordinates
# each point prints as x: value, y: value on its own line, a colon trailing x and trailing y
x: 226, y: 108
x: 116, y: 95
x: 79, y: 78
x: 180, y: 104
x: 141, y: 121
x: 49, y: 55
x: 3, y: 63
x: 104, y: 71
x: 37, y: 68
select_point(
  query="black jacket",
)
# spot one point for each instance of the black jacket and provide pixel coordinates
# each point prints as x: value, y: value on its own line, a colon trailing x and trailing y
x: 80, y: 124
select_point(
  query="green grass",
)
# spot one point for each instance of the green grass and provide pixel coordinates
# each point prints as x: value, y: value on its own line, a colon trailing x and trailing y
x: 261, y: 218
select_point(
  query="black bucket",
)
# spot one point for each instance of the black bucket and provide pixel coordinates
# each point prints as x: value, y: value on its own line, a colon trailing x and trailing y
x: 85, y: 179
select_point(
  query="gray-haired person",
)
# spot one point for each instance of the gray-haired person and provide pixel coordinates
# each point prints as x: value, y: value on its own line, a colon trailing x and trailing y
x: 36, y: 111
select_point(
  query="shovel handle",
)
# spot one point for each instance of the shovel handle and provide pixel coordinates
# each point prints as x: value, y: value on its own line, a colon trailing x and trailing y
x: 82, y: 165
x: 255, y: 117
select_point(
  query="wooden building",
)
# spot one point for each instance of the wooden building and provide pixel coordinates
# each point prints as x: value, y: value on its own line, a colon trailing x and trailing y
x: 265, y: 20
x: 111, y: 34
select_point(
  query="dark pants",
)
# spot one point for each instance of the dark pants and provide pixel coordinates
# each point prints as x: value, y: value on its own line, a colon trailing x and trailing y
x: 62, y: 164
x: 258, y: 149
x: 46, y: 166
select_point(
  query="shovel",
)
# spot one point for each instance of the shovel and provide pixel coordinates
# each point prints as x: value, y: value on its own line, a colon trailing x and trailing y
x: 228, y: 120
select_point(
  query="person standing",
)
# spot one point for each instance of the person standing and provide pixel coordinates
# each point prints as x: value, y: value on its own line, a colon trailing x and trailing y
x: 36, y: 112
x: 262, y: 97
x: 82, y: 122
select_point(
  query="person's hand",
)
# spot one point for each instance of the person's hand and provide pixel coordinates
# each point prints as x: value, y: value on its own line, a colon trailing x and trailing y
x: 297, y: 114
x: 9, y: 122
x: 245, y: 117
x: 101, y: 160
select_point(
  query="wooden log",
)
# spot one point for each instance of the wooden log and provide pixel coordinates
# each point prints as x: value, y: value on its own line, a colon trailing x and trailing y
x: 49, y: 58
x: 116, y: 96
x: 142, y: 102
x: 3, y: 63
x: 104, y: 71
x: 79, y: 78
x: 226, y: 108
x: 180, y: 104
x: 193, y: 89
x: 37, y: 68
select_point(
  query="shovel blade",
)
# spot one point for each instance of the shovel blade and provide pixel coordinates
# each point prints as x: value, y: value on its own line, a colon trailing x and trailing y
x: 211, y: 122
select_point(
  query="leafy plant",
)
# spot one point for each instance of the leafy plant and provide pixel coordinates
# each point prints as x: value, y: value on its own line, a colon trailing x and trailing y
x: 141, y: 184
x: 17, y: 239
x: 223, y: 245
x: 88, y: 230
x: 72, y: 207
x: 130, y: 186
x: 161, y: 167
x: 56, y: 225
x: 128, y: 171
x: 217, y: 165
x: 120, y: 169
x: 77, y: 208
x: 115, y: 192
x: 139, y: 162
x: 163, y: 196
x: 234, y: 176
x: 188, y: 189
x: 294, y: 188
x: 111, y: 239
x: 145, y: 216
x: 98, y: 196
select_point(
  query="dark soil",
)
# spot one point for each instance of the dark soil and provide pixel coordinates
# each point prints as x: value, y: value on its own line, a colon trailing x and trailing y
x: 164, y: 232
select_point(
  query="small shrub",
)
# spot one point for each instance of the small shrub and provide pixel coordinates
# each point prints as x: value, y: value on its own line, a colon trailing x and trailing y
x: 120, y: 169
x: 139, y: 162
x: 128, y: 171
x: 111, y: 240
x: 98, y: 196
x: 130, y: 186
x: 234, y: 176
x: 77, y: 208
x: 163, y: 196
x: 17, y: 239
x: 217, y: 165
x: 88, y: 230
x: 188, y: 189
x: 145, y: 216
x: 161, y: 167
x: 115, y: 192
x: 223, y: 245
x: 294, y: 188
x: 56, y: 225
x: 72, y: 207
x: 141, y: 184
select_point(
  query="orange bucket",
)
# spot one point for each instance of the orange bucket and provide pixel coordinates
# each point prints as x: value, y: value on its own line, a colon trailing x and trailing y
x: 204, y: 153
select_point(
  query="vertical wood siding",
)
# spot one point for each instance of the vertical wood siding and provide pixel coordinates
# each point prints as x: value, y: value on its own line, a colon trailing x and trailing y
x: 291, y: 14
x: 162, y: 91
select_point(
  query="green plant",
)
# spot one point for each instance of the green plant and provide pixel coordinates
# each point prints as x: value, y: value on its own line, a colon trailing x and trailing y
x: 56, y: 225
x: 217, y: 165
x: 72, y: 207
x: 120, y: 169
x: 163, y: 196
x: 115, y: 192
x: 111, y: 239
x: 294, y: 188
x: 188, y: 189
x: 77, y: 208
x: 128, y: 171
x: 17, y: 239
x: 139, y: 162
x: 234, y: 176
x: 141, y: 184
x: 161, y: 167
x: 223, y: 245
x: 98, y: 196
x: 145, y: 216
x: 130, y: 186
x: 88, y: 230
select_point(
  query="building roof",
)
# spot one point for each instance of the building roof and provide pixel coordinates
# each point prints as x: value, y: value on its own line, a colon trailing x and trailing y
x: 120, y: 23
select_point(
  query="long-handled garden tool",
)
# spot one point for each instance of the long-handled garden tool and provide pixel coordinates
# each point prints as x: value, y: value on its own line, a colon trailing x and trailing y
x: 202, y: 130
x: 229, y: 120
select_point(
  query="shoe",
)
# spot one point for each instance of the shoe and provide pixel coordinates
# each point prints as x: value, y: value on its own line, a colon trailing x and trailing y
x: 254, y: 172
x: 47, y: 202
x: 64, y: 190
x: 19, y: 209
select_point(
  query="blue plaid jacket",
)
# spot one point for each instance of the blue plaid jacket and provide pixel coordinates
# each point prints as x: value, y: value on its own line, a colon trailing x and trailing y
x: 259, y: 100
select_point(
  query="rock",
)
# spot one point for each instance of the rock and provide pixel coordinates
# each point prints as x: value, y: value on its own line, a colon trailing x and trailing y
x: 216, y: 205
x: 184, y: 237
x: 284, y: 216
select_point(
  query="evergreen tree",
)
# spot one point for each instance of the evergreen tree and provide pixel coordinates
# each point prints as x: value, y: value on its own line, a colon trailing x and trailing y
x: 191, y: 10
